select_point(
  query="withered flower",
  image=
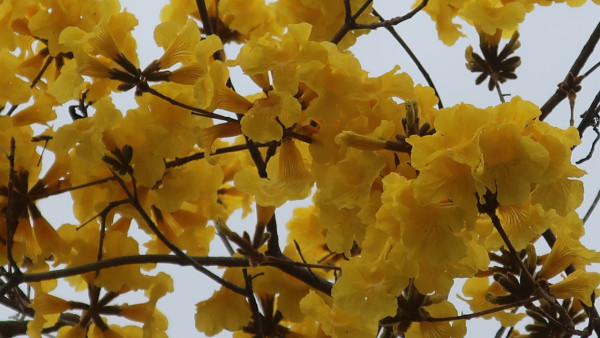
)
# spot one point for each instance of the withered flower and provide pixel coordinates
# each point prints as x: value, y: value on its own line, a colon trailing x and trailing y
x: 499, y: 67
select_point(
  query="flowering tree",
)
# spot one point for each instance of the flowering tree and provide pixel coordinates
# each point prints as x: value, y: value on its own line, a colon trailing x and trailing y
x: 407, y: 196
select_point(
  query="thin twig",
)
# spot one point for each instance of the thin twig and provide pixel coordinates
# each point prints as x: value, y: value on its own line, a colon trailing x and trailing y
x: 585, y: 53
x: 179, y: 161
x: 348, y: 25
x: 525, y: 272
x: 42, y: 71
x: 412, y: 56
x: 253, y: 305
x: 592, y: 148
x: 77, y: 187
x: 482, y: 313
x: 195, y: 110
x: 590, y: 116
x: 302, y: 256
x: 208, y: 29
x: 11, y: 220
x: 175, y: 249
x: 499, y: 91
x: 591, y: 70
x: 273, y: 248
x: 592, y: 207
x: 393, y: 21
x: 284, y: 264
x: 133, y: 260
x: 225, y: 241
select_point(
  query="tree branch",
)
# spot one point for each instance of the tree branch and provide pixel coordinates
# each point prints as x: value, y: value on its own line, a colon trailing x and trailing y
x: 393, y: 21
x: 349, y: 23
x: 585, y: 53
x: 176, y: 250
x: 412, y: 56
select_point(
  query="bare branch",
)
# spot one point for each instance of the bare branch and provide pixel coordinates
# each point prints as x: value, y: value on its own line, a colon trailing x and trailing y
x: 196, y: 111
x: 176, y: 250
x: 349, y: 24
x: 412, y: 56
x: 393, y: 21
x: 585, y: 53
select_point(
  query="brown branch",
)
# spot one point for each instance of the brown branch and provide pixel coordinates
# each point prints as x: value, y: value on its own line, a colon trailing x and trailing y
x: 131, y: 260
x: 273, y: 248
x: 592, y: 207
x: 526, y: 273
x: 592, y: 149
x: 393, y: 21
x: 11, y: 220
x: 283, y: 263
x: 195, y: 110
x: 42, y: 71
x: 412, y: 56
x: 208, y: 28
x: 77, y: 187
x: 347, y: 26
x: 179, y: 161
x: 585, y: 53
x: 175, y: 249
x: 253, y: 305
x: 482, y: 313
x: 590, y: 116
x: 10, y: 329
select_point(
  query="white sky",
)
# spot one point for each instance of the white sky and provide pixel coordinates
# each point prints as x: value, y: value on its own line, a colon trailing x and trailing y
x: 551, y: 39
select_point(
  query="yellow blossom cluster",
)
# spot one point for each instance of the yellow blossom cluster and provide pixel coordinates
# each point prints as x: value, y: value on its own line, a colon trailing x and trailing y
x: 487, y: 16
x: 407, y: 197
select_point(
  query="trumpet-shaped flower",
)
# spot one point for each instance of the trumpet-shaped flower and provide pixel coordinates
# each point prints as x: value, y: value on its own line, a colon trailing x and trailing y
x: 290, y: 178
x: 224, y: 310
x: 579, y: 285
x: 371, y: 286
x: 267, y: 117
x: 336, y: 322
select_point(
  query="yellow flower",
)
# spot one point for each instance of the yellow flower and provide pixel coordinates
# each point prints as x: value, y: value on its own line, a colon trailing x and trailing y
x: 457, y: 328
x: 334, y: 321
x: 565, y: 252
x: 86, y: 135
x: 427, y: 232
x: 227, y: 99
x: 76, y: 331
x: 522, y: 223
x: 325, y: 16
x: 267, y: 117
x: 12, y: 89
x: 370, y: 285
x: 579, y: 285
x: 253, y: 19
x: 445, y: 179
x: 223, y: 310
x: 443, y: 13
x: 476, y: 288
x: 354, y: 140
x: 289, y: 180
x: 186, y: 229
x: 187, y: 74
x: 105, y: 43
x: 492, y: 15
x: 510, y: 163
x: 557, y: 189
x: 457, y: 129
x: 305, y: 229
x: 45, y: 303
x: 181, y: 49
